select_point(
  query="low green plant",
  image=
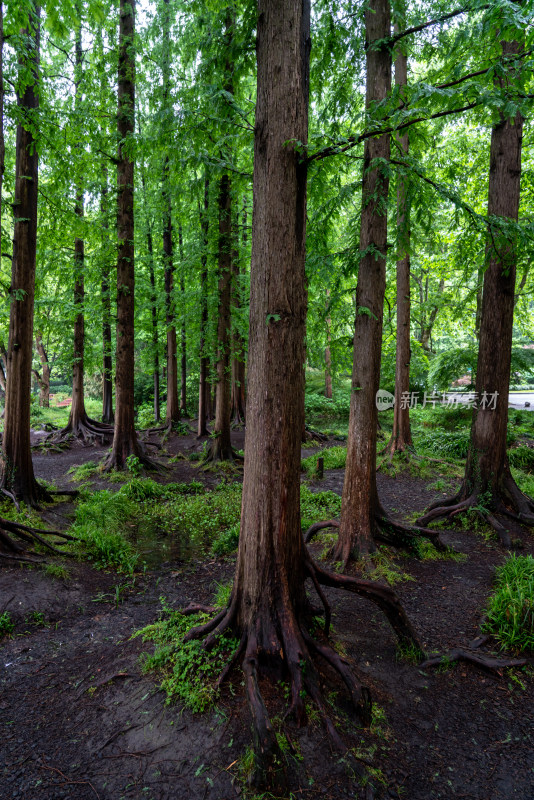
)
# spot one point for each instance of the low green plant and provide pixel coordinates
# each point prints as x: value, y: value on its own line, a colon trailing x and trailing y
x: 381, y: 566
x: 522, y: 457
x: 7, y: 626
x: 101, y: 526
x: 134, y: 465
x: 187, y: 669
x: 315, y: 506
x: 83, y: 472
x: 510, y: 611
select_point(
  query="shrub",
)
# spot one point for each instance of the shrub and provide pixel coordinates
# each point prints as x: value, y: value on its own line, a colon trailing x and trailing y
x: 7, y: 626
x: 102, y: 522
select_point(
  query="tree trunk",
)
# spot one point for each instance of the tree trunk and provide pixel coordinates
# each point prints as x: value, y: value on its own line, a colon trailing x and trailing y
x: 125, y: 442
x: 360, y: 497
x: 220, y: 445
x: 105, y: 292
x: 237, y: 401
x: 43, y: 380
x: 183, y: 343
x: 154, y: 313
x: 203, y: 389
x: 401, y: 436
x: 327, y: 354
x: 488, y: 486
x: 2, y: 144
x: 17, y: 474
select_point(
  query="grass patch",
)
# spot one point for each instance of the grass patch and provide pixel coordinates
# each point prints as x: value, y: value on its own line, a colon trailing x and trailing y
x: 57, y: 571
x: 334, y: 458
x: 510, y: 612
x: 83, y: 472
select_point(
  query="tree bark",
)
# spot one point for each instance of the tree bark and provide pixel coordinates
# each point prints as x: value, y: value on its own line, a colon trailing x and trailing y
x: 203, y: 389
x: 327, y: 354
x: 154, y: 315
x: 183, y: 343
x: 43, y: 380
x: 488, y: 486
x: 237, y: 400
x: 17, y: 474
x: 401, y: 436
x: 220, y: 446
x: 125, y: 442
x: 360, y: 496
x: 105, y: 293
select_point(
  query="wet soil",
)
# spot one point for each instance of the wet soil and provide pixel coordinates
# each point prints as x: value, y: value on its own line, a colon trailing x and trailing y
x: 79, y: 719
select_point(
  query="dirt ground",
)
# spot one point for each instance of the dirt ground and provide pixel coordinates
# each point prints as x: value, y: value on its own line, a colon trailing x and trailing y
x: 78, y: 719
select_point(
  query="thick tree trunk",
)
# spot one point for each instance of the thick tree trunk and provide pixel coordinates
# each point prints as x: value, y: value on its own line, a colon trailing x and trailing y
x: 401, y: 436
x: 360, y: 497
x: 488, y: 486
x: 125, y: 442
x: 220, y: 445
x: 2, y: 144
x: 203, y: 389
x: 105, y: 293
x: 43, y: 380
x: 17, y: 474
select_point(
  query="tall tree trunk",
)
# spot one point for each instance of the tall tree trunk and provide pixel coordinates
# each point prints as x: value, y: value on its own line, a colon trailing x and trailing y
x: 105, y: 293
x: 488, y: 484
x: 79, y: 424
x: 43, y: 380
x: 360, y: 496
x: 183, y: 343
x: 125, y: 442
x: 203, y: 389
x: 327, y: 354
x: 17, y: 474
x: 2, y: 144
x: 154, y: 313
x: 237, y: 401
x: 220, y: 446
x: 268, y: 609
x: 401, y: 436
x: 173, y: 402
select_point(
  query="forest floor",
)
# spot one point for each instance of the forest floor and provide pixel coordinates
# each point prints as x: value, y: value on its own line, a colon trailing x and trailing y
x: 79, y: 718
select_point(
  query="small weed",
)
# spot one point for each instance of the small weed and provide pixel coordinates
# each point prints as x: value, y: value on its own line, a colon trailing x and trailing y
x: 381, y: 566
x: 57, y: 571
x: 222, y: 595
x: 134, y: 465
x: 7, y: 626
x: 408, y: 652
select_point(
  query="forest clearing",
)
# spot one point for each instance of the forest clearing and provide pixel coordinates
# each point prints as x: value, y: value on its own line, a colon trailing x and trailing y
x: 266, y: 372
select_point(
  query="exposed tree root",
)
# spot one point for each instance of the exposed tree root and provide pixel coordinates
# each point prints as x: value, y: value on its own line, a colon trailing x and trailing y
x: 118, y: 456
x: 508, y: 500
x: 389, y: 532
x: 84, y: 429
x: 312, y: 435
x: 283, y: 641
x: 484, y: 660
x: 13, y: 550
x: 216, y: 452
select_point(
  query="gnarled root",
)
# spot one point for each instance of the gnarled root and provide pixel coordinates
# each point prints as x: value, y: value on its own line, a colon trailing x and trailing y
x: 280, y: 637
x: 217, y: 452
x: 389, y: 532
x: 507, y: 500
x: 13, y: 550
x: 85, y: 429
x: 472, y: 656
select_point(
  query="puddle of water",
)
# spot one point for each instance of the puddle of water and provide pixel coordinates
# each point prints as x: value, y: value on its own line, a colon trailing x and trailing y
x: 156, y: 546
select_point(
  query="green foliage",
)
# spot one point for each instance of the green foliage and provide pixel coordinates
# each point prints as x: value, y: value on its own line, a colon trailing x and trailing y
x: 187, y: 669
x: 7, y: 626
x: 381, y: 566
x: 522, y: 457
x: 134, y: 465
x: 316, y: 506
x: 58, y: 571
x: 448, y: 444
x: 510, y: 612
x: 84, y: 471
x: 102, y: 524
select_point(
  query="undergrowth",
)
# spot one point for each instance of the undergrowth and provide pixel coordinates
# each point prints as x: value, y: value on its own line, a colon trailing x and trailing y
x: 188, y: 672
x: 101, y: 525
x: 510, y: 612
x: 334, y: 458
